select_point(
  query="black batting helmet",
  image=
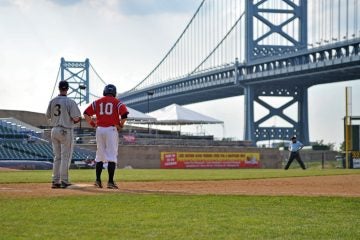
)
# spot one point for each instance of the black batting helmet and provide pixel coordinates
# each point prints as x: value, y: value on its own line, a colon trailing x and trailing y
x: 109, y: 89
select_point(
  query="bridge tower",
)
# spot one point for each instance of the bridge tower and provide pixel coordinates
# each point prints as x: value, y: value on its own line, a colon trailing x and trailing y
x: 274, y: 28
x: 77, y: 75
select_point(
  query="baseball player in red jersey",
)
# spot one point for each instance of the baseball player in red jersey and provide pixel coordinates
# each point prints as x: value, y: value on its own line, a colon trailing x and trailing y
x: 111, y: 115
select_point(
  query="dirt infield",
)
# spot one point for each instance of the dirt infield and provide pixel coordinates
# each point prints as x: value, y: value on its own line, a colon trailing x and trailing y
x: 8, y: 169
x: 342, y: 185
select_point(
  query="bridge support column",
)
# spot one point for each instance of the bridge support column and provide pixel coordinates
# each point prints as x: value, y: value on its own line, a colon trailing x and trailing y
x: 274, y: 17
x: 249, y: 113
x: 303, y: 115
x: 73, y: 73
x: 260, y: 129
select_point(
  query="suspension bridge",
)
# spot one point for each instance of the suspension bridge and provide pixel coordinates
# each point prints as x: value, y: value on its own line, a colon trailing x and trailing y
x: 262, y: 49
x: 78, y: 75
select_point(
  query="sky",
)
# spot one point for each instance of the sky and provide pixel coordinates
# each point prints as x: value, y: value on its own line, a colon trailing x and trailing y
x: 124, y: 40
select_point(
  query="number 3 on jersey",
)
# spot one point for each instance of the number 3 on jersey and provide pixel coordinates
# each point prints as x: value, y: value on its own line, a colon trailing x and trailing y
x: 107, y: 109
x: 57, y: 111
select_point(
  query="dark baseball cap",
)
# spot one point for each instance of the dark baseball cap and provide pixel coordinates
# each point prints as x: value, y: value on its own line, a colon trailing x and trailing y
x: 63, y: 85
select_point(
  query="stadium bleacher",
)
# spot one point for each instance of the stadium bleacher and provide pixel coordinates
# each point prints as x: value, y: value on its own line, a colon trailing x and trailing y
x: 41, y: 151
x: 13, y: 128
x: 20, y: 141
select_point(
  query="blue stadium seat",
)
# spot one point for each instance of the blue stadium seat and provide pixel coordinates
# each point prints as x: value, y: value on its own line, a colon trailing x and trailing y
x: 18, y: 150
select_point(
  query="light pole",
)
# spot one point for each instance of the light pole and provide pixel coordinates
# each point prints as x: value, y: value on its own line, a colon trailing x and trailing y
x: 81, y: 87
x: 149, y: 93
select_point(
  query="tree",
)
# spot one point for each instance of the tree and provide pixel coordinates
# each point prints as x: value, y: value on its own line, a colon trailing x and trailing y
x: 321, y: 145
x: 342, y: 146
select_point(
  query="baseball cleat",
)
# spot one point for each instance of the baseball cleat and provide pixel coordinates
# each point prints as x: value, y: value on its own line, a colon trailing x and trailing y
x: 65, y: 184
x: 98, y: 184
x: 55, y: 185
x: 112, y: 185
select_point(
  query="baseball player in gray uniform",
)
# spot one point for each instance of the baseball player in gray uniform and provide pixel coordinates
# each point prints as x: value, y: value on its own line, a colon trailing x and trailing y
x: 63, y: 114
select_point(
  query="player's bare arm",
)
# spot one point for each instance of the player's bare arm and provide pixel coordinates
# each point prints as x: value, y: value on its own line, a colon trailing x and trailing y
x: 122, y: 121
x: 89, y: 120
x: 121, y: 125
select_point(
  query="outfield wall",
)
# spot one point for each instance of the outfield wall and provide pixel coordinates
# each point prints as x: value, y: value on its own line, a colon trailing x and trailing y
x: 148, y: 156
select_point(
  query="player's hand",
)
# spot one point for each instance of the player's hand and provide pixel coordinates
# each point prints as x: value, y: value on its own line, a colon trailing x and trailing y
x: 76, y: 120
x: 118, y: 127
x: 93, y: 124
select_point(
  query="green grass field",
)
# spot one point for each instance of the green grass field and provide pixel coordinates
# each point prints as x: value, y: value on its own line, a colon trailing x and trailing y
x: 162, y: 216
x: 88, y: 175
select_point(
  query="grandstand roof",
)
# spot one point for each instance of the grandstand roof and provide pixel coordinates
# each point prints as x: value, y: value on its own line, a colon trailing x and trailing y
x: 178, y: 115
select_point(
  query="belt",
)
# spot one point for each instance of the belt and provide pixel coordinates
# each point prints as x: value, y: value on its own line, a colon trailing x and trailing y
x: 59, y: 126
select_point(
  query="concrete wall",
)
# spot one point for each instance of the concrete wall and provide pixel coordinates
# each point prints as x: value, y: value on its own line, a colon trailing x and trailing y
x: 312, y: 155
x: 148, y: 156
x: 32, y: 118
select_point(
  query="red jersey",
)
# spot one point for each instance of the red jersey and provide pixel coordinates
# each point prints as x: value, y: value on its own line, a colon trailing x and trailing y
x: 108, y: 111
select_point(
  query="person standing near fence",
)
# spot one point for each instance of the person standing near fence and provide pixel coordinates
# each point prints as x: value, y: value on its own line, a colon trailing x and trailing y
x: 63, y: 113
x: 294, y: 148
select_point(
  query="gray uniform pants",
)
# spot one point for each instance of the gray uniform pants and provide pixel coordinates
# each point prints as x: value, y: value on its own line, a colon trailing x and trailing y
x: 62, y: 143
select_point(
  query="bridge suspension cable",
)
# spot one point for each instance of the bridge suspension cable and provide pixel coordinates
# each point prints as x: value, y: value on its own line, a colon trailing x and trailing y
x: 56, y: 80
x: 216, y: 34
x: 93, y: 95
x: 332, y: 21
x: 219, y: 44
x: 97, y: 74
x: 174, y: 45
x: 212, y: 24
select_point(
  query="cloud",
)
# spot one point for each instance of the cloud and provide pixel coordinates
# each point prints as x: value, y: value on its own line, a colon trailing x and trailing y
x: 110, y: 9
x: 4, y: 3
x: 28, y: 4
x: 154, y: 7
x: 66, y: 3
